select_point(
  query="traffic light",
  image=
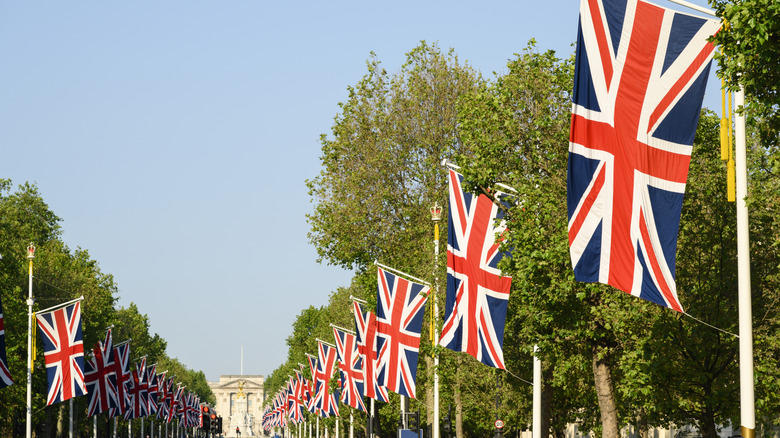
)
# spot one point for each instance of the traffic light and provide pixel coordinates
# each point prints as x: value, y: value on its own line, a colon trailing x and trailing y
x: 448, y: 421
x: 414, y: 421
x: 401, y: 421
x: 219, y: 425
x: 205, y: 415
x: 213, y: 422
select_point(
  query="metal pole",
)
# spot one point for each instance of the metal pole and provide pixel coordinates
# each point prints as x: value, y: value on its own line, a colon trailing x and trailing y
x: 403, y: 412
x: 318, y: 426
x: 371, y: 431
x: 30, y: 257
x: 351, y: 426
x: 537, y: 402
x: 94, y: 426
x: 70, y: 418
x: 746, y: 382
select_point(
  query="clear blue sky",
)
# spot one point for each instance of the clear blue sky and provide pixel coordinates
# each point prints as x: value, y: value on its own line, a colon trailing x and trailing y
x: 174, y: 138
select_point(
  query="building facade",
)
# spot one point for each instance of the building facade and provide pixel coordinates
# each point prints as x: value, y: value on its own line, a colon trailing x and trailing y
x: 239, y: 402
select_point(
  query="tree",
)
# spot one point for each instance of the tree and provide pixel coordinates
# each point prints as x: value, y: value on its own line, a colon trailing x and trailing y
x: 750, y: 55
x: 381, y: 171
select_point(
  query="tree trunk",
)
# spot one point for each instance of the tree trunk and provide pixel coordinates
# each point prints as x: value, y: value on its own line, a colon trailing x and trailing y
x: 547, y: 399
x: 457, y: 399
x: 605, y: 391
x: 707, y: 424
x: 642, y: 429
x: 62, y: 421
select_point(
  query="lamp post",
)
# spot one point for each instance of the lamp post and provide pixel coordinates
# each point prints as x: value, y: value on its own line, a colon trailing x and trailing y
x: 436, y: 211
x: 30, y: 257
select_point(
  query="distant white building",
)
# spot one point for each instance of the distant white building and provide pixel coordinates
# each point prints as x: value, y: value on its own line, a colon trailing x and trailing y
x: 239, y: 402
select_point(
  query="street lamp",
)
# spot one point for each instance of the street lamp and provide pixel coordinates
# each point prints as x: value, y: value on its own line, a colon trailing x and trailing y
x: 436, y: 218
x: 30, y: 257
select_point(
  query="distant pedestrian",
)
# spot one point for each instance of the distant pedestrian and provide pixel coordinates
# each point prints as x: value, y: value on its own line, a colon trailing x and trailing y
x: 238, y: 431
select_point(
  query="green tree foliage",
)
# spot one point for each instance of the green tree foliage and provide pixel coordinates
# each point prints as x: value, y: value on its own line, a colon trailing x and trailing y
x: 750, y: 55
x: 381, y: 170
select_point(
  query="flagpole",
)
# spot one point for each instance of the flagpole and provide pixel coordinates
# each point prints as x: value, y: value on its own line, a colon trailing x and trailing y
x: 746, y: 382
x: 537, y: 396
x: 326, y: 343
x: 396, y: 271
x: 70, y: 418
x: 436, y: 218
x: 30, y: 257
x: 342, y: 329
x: 745, y: 308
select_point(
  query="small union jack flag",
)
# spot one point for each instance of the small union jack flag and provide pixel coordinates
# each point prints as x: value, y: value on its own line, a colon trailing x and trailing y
x: 400, y: 308
x: 139, y: 393
x: 351, y: 367
x: 365, y: 329
x: 176, y: 403
x: 100, y: 378
x: 5, y: 375
x: 152, y: 389
x: 164, y: 387
x: 640, y: 76
x: 324, y: 400
x: 123, y: 377
x: 311, y: 405
x: 295, y: 410
x: 63, y: 348
x: 477, y: 293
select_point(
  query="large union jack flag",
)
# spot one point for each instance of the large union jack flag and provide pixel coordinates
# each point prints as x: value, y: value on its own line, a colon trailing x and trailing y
x: 63, y: 348
x: 477, y: 293
x: 640, y: 76
x: 365, y: 329
x: 400, y: 308
x: 100, y: 377
x: 351, y: 367
x: 5, y: 375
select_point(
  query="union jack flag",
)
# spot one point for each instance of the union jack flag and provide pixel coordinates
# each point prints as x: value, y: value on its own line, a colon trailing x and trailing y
x: 123, y: 378
x: 365, y: 329
x: 351, y: 366
x: 400, y: 308
x: 477, y: 293
x: 175, y: 407
x: 189, y: 408
x: 306, y: 395
x: 153, y: 388
x: 324, y: 400
x: 165, y: 386
x: 63, y: 348
x: 295, y: 409
x: 5, y: 375
x: 311, y: 404
x: 100, y: 378
x: 139, y: 393
x: 640, y: 76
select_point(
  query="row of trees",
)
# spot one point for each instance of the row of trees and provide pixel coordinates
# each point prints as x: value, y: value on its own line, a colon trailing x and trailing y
x: 62, y: 274
x: 609, y: 359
